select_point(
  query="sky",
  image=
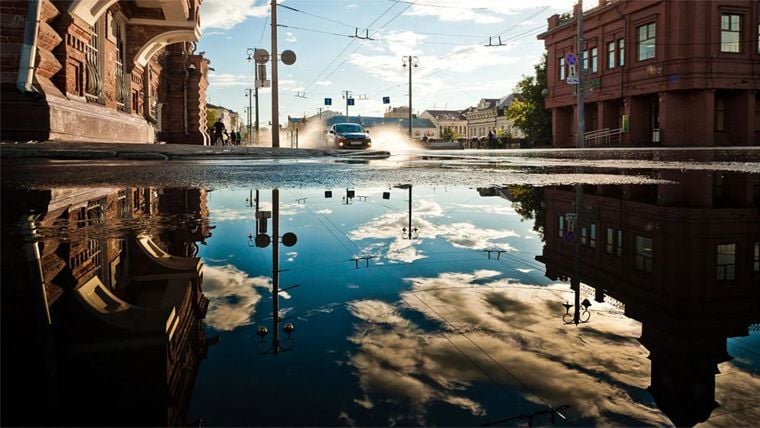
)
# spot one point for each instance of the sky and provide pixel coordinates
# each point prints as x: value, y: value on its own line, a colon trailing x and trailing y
x: 449, y: 37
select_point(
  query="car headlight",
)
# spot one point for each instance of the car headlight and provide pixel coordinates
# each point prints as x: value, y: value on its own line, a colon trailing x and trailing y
x: 340, y: 143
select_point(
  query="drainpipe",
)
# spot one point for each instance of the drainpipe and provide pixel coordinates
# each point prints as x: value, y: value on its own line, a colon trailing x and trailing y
x: 627, y: 47
x: 184, y: 89
x: 25, y: 80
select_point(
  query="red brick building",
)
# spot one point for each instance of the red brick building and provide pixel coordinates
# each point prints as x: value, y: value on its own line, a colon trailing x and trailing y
x: 676, y: 73
x: 684, y: 259
x: 102, y: 70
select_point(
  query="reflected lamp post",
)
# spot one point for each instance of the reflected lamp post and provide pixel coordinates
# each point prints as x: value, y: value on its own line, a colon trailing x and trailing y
x: 409, y: 232
x: 263, y: 240
x: 580, y: 314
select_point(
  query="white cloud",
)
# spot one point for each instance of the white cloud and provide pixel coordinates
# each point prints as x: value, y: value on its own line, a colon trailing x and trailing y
x: 290, y: 37
x: 226, y: 80
x: 484, y: 11
x: 227, y: 14
x: 352, y: 6
x: 323, y: 83
x: 232, y: 296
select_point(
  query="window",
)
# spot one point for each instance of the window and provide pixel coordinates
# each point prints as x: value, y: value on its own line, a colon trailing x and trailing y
x: 594, y: 60
x: 561, y: 229
x: 720, y: 114
x: 93, y: 87
x: 644, y: 254
x: 592, y: 236
x: 726, y: 262
x: 621, y: 52
x: 611, y: 55
x: 584, y: 236
x: 756, y: 258
x: 730, y: 32
x: 584, y: 57
x: 562, y: 68
x: 609, y: 241
x: 619, y: 248
x: 646, y: 41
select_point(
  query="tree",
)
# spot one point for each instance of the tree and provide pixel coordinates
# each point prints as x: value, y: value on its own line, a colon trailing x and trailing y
x: 527, y: 111
x: 448, y: 134
x: 528, y: 201
x: 211, y: 116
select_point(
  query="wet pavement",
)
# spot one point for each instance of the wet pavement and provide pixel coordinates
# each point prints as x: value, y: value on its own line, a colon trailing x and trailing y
x: 424, y: 289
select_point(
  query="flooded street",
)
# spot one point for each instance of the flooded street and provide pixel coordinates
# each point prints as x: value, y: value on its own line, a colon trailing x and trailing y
x: 425, y: 289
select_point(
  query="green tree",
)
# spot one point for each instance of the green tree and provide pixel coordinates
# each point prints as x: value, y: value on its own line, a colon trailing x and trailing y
x: 528, y: 112
x: 448, y: 134
x: 211, y: 116
x: 528, y: 201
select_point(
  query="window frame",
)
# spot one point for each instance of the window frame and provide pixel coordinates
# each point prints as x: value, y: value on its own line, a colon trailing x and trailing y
x: 594, y: 53
x: 756, y: 257
x: 731, y: 30
x: 725, y: 271
x: 611, y: 55
x: 562, y: 69
x: 720, y: 114
x: 621, y: 52
x: 644, y: 261
x: 651, y: 34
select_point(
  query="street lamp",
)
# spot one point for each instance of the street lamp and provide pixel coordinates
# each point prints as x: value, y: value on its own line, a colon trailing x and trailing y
x: 406, y: 232
x: 581, y: 314
x: 410, y: 62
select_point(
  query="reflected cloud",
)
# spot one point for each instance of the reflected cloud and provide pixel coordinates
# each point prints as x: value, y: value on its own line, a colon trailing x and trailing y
x: 460, y: 235
x: 232, y: 296
x: 599, y: 370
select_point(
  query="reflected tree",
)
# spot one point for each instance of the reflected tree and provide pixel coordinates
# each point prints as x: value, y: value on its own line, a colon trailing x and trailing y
x: 528, y: 202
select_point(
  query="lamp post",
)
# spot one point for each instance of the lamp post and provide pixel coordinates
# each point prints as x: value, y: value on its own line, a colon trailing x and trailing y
x: 347, y: 95
x: 251, y: 52
x: 406, y: 232
x: 249, y: 95
x: 262, y: 240
x: 410, y: 62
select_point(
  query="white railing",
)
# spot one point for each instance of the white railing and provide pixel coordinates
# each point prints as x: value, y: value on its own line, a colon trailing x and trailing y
x: 603, y: 137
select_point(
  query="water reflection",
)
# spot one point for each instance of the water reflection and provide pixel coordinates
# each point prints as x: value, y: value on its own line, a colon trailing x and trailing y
x: 110, y: 296
x: 102, y: 325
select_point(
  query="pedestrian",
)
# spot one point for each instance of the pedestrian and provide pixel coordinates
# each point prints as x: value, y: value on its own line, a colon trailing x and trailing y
x: 491, y: 139
x: 218, y: 133
x: 238, y: 138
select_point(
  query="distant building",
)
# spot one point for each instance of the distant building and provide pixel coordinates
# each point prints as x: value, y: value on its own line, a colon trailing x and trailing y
x: 230, y: 118
x: 102, y: 70
x: 490, y: 115
x: 446, y: 119
x: 397, y: 112
x: 676, y: 73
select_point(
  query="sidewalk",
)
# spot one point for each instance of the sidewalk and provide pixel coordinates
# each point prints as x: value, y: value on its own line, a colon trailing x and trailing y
x: 57, y: 150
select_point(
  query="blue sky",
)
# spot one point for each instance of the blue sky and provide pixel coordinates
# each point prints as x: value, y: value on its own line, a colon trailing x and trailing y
x: 448, y: 36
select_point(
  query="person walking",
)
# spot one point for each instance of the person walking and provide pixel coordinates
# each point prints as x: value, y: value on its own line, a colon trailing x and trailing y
x: 218, y: 133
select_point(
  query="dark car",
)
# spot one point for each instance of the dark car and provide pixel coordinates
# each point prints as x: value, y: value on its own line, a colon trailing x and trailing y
x: 348, y: 136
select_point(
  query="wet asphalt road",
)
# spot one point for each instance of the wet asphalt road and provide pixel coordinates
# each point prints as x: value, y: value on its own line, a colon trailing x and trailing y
x: 469, y: 168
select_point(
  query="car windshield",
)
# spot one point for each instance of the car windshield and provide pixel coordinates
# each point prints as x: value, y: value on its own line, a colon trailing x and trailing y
x: 348, y: 127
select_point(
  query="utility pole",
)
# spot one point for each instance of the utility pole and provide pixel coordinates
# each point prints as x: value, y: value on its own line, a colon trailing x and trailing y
x: 347, y: 95
x: 256, y: 95
x: 249, y: 95
x: 575, y: 282
x: 276, y: 267
x: 410, y: 61
x: 275, y: 92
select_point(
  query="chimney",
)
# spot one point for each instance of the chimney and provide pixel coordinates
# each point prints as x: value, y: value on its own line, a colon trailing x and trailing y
x: 553, y: 21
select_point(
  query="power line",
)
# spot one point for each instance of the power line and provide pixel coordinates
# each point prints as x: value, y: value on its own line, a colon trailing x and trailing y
x: 311, y: 30
x: 315, y: 15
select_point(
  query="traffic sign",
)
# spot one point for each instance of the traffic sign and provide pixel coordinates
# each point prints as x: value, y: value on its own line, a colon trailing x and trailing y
x: 261, y: 56
x: 572, y: 80
x: 386, y: 100
x: 571, y: 59
x: 288, y: 57
x: 328, y: 101
x: 350, y: 101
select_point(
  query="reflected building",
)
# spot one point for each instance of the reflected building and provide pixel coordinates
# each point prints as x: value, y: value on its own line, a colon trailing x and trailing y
x: 685, y: 261
x: 102, y: 306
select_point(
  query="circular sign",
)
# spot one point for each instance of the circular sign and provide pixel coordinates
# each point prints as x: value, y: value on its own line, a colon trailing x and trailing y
x: 263, y: 240
x: 261, y: 56
x: 288, y: 57
x: 571, y: 59
x: 289, y: 239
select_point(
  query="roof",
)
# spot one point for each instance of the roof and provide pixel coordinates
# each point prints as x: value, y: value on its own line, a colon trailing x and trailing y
x: 369, y: 121
x: 505, y: 101
x: 446, y: 114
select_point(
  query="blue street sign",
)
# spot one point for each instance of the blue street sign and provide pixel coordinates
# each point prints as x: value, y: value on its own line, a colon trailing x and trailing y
x: 386, y: 100
x: 350, y: 101
x: 571, y: 59
x: 328, y: 101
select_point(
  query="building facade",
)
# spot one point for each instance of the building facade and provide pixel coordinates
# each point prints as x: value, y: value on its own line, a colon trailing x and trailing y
x: 684, y: 259
x: 675, y: 73
x: 102, y: 70
x: 490, y: 115
x: 453, y: 120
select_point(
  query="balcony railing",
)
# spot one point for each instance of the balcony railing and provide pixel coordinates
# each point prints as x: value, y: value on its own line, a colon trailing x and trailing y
x: 603, y: 137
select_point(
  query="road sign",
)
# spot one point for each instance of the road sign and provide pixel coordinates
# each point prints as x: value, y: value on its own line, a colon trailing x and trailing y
x: 288, y: 57
x: 571, y: 59
x: 261, y: 56
x: 328, y: 101
x: 572, y: 80
x: 350, y: 101
x: 386, y: 100
x: 263, y: 83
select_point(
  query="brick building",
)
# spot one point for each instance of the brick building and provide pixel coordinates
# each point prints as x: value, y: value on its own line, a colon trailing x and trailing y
x: 676, y: 73
x: 102, y: 70
x: 684, y: 259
